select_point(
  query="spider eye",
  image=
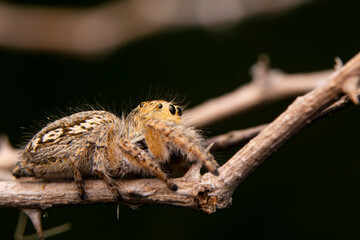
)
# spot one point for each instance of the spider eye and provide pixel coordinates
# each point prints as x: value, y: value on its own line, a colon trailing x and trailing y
x: 172, y: 109
x: 141, y: 104
x: 179, y: 111
x: 159, y: 106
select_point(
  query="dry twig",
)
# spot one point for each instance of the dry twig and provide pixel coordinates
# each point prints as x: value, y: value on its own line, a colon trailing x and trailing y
x: 206, y: 192
x: 238, y: 137
x: 235, y: 137
x: 266, y: 86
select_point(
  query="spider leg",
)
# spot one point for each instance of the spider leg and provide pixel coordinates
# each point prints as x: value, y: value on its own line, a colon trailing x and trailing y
x: 100, y: 170
x: 76, y: 162
x: 79, y: 181
x: 159, y: 133
x: 143, y: 160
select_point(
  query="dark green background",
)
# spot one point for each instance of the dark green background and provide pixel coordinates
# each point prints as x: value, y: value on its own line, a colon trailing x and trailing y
x: 309, y: 189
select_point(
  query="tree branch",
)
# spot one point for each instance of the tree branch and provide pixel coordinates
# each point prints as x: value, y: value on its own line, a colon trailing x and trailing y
x: 234, y: 138
x: 206, y: 192
x: 299, y: 114
x: 238, y: 137
x: 267, y: 85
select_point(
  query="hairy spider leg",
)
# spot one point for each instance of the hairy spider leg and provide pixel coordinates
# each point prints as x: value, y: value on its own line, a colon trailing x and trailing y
x: 159, y: 133
x: 143, y: 160
x: 78, y: 178
x: 100, y: 158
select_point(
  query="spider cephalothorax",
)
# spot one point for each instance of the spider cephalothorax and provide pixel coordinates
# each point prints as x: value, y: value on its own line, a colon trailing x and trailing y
x: 98, y: 143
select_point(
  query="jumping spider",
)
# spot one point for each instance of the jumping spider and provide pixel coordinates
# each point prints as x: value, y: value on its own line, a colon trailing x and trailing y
x: 98, y: 143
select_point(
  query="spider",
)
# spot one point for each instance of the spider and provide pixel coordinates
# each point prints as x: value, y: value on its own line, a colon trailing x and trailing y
x: 98, y: 143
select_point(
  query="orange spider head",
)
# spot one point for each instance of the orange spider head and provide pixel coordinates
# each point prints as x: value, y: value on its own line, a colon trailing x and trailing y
x: 158, y: 110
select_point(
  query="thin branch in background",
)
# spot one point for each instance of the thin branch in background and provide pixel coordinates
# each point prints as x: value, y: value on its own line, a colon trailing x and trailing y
x: 267, y: 85
x: 20, y: 229
x: 102, y: 28
x: 237, y: 137
x: 234, y: 138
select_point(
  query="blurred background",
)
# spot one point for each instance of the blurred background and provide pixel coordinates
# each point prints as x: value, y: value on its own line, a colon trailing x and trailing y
x: 119, y: 53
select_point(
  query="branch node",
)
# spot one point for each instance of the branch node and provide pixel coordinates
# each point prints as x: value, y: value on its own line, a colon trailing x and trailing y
x: 35, y: 217
x: 207, y: 202
x: 259, y: 71
x: 193, y: 174
x: 338, y: 63
x: 350, y: 87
